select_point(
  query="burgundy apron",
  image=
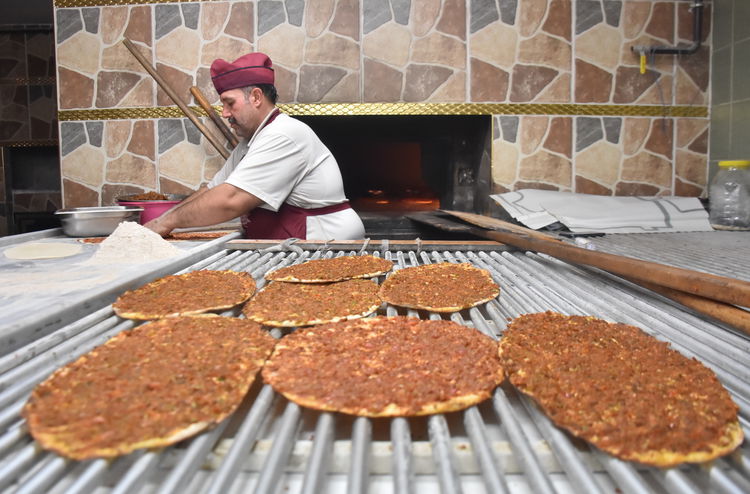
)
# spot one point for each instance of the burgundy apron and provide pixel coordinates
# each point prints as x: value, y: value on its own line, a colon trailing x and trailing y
x: 289, y: 222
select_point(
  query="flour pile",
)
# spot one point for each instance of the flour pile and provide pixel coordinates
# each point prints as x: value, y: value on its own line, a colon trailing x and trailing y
x: 133, y: 243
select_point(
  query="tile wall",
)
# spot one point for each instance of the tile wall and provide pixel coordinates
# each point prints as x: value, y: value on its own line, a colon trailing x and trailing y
x: 523, y: 52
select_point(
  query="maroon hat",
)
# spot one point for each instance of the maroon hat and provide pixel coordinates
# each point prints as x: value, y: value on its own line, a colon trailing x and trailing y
x: 250, y: 69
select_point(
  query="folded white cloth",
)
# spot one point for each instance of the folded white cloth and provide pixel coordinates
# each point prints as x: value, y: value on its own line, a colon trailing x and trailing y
x: 586, y: 213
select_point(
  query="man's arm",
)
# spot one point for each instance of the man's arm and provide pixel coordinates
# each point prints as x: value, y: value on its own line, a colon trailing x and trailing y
x: 206, y: 207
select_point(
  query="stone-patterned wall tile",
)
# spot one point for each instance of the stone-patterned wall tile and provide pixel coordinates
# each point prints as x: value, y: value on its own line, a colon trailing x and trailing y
x: 41, y: 112
x: 270, y: 15
x: 488, y: 82
x: 691, y: 156
x: 560, y: 136
x: 285, y: 45
x: 167, y: 186
x: 112, y: 24
x: 170, y: 132
x: 453, y: 90
x: 424, y: 16
x: 40, y: 55
x: 645, y: 174
x: 542, y: 49
x: 531, y: 16
x: 598, y: 168
x: 166, y: 18
x: 131, y: 169
x: 116, y: 136
x: 528, y: 81
x: 558, y: 91
x: 318, y: 18
x: 453, y: 19
x: 178, y: 80
x: 213, y: 19
x: 80, y: 52
x: 334, y: 50
x: 659, y: 140
x: 141, y: 95
x: 95, y: 133
x: 110, y: 193
x: 240, y: 22
x: 316, y: 81
x: 532, y: 131
x: 183, y: 163
x: 544, y: 168
x: 180, y: 48
x: 14, y: 124
x: 68, y: 22
x: 345, y: 91
x: 381, y: 82
x: 12, y: 55
x: 138, y: 29
x: 346, y: 19
x: 375, y: 13
x: 496, y: 44
x: 437, y: 48
x: 142, y: 140
x: 113, y: 86
x: 482, y: 13
x: 389, y: 44
x: 72, y: 135
x: 77, y: 195
x: 422, y: 81
x: 85, y: 165
x: 600, y: 46
x: 559, y: 19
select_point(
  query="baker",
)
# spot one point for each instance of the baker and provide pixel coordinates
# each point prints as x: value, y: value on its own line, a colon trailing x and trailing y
x: 281, y: 180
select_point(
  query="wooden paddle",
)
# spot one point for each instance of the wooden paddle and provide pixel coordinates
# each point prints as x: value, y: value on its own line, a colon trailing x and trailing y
x: 715, y: 296
x: 203, y: 102
x: 176, y: 98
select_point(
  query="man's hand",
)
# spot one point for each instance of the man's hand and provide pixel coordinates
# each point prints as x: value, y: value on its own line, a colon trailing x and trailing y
x: 160, y: 225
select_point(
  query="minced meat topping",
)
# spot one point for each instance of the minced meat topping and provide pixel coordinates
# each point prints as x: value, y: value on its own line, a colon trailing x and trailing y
x: 299, y: 304
x: 401, y: 364
x: 334, y: 269
x: 615, y: 385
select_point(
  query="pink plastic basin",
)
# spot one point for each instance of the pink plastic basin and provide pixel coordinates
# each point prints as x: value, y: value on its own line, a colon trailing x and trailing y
x: 151, y: 209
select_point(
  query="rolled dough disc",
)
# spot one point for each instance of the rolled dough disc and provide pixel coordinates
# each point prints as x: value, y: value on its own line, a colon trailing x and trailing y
x: 46, y: 250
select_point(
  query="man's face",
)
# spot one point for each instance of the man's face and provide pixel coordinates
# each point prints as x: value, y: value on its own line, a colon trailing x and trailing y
x: 240, y: 111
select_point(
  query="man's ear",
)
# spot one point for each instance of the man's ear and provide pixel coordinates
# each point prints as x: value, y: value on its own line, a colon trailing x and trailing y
x: 256, y: 96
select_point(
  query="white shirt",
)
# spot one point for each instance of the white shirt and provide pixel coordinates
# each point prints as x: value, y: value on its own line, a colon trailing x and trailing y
x: 285, y: 161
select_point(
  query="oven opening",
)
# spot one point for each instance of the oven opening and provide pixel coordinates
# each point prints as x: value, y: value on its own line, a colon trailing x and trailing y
x: 393, y: 165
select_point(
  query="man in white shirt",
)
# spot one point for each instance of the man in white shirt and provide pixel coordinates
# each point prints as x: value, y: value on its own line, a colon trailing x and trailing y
x: 280, y: 179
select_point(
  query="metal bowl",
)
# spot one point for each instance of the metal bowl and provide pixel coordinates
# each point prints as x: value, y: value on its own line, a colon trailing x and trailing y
x: 134, y: 198
x: 95, y: 221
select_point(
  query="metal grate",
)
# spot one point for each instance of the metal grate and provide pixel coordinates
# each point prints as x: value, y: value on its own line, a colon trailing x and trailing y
x: 503, y: 445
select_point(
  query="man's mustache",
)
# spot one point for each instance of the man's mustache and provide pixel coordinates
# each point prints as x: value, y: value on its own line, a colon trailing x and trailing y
x: 232, y: 120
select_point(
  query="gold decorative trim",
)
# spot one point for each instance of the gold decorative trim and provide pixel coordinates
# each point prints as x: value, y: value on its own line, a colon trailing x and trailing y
x: 64, y: 4
x: 29, y: 144
x: 27, y: 81
x: 360, y: 109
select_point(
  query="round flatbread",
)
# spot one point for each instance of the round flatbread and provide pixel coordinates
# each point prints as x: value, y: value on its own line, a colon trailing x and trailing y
x: 186, y: 294
x: 621, y: 389
x: 148, y: 387
x: 334, y: 269
x: 42, y: 250
x: 302, y: 304
x: 442, y: 287
x: 385, y: 367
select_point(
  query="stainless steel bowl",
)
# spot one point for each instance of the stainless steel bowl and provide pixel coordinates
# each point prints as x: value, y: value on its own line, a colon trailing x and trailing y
x: 95, y: 221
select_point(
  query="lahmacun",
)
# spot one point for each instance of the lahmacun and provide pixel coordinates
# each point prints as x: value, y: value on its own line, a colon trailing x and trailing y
x: 385, y: 367
x: 148, y: 387
x: 441, y: 287
x: 334, y: 269
x: 186, y: 294
x: 283, y: 304
x: 621, y: 389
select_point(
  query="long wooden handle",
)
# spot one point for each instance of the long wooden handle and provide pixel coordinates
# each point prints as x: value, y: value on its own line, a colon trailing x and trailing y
x: 176, y: 98
x: 203, y: 102
x: 729, y: 290
x: 726, y: 313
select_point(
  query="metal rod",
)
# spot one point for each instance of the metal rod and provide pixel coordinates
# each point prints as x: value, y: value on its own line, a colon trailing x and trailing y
x: 181, y: 474
x: 90, y: 478
x: 138, y: 473
x: 401, y: 463
x: 359, y: 469
x: 283, y: 442
x: 538, y: 479
x: 53, y: 468
x: 242, y: 442
x: 493, y: 479
x: 442, y: 455
x: 17, y: 465
x: 317, y: 465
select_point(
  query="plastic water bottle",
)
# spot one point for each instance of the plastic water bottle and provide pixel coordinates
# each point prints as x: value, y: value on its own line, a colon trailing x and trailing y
x: 729, y: 196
